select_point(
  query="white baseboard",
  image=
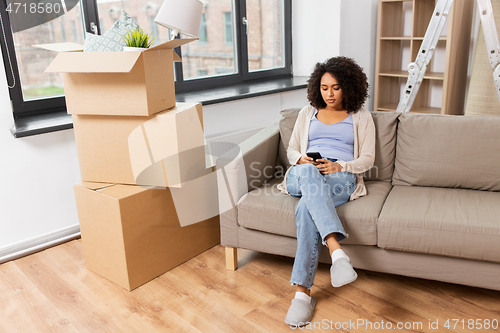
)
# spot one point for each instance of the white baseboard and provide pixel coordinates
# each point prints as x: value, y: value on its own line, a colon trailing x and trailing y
x: 39, y: 243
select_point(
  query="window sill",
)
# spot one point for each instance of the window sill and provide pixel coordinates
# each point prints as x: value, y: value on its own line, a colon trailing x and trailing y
x: 58, y: 121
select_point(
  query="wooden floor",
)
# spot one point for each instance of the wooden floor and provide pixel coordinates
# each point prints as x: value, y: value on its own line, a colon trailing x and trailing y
x: 52, y: 291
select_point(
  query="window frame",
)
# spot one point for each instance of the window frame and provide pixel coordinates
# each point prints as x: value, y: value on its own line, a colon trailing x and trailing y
x: 241, y: 53
x: 23, y: 108
x: 287, y: 34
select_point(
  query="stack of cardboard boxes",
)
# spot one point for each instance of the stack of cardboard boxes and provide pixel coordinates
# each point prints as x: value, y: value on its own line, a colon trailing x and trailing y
x: 142, y: 162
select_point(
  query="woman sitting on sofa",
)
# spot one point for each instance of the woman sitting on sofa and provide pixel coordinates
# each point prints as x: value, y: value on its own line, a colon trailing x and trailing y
x: 336, y: 126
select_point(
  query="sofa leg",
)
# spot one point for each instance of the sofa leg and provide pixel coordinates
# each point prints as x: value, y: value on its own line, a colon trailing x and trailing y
x: 231, y: 258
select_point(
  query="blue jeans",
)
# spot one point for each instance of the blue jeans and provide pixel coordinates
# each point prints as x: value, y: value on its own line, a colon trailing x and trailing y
x: 316, y: 214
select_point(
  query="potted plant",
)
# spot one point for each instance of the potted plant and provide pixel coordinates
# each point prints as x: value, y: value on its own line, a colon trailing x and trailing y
x: 137, y: 40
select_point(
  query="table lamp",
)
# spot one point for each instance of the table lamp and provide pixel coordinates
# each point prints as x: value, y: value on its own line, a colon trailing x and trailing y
x: 181, y: 16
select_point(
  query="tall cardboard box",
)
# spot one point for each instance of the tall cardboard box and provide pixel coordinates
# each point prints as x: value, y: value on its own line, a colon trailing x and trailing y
x: 131, y: 235
x: 138, y: 83
x: 166, y: 149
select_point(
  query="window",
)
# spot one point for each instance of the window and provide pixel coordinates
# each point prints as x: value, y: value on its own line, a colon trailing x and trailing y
x: 265, y: 49
x: 228, y: 28
x: 154, y: 27
x: 63, y: 30
x: 32, y: 90
x: 227, y: 52
x: 203, y: 29
x: 51, y: 31
x: 73, y: 30
x: 101, y: 25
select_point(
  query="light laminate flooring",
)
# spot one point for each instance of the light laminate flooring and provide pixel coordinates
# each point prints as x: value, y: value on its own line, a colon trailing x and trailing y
x: 52, y: 291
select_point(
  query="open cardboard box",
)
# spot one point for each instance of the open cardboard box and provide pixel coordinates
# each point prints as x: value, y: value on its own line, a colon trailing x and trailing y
x: 163, y: 150
x: 135, y: 83
x: 131, y: 235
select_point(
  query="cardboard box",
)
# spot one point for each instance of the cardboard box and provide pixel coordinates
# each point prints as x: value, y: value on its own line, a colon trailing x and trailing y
x: 137, y: 83
x: 131, y: 235
x: 167, y: 149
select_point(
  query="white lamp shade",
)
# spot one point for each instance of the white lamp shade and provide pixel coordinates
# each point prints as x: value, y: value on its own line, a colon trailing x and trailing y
x: 183, y: 16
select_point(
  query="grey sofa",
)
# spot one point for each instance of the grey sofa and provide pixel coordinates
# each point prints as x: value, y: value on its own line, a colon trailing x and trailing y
x: 432, y: 209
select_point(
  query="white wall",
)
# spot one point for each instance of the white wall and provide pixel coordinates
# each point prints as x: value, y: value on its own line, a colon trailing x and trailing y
x: 358, y: 38
x: 326, y: 28
x: 249, y: 113
x: 316, y: 33
x: 36, y: 197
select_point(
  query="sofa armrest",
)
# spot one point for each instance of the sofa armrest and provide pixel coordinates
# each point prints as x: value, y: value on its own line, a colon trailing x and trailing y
x: 243, y: 168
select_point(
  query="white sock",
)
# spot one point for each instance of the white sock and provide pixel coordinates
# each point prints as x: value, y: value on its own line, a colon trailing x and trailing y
x: 337, y: 254
x: 303, y: 296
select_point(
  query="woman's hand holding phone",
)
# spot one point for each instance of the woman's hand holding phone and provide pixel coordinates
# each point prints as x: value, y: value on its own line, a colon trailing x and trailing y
x: 306, y: 159
x: 311, y: 157
x: 326, y: 166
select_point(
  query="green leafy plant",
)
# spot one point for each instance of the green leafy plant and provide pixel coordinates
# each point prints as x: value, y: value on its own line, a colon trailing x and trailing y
x: 138, y: 38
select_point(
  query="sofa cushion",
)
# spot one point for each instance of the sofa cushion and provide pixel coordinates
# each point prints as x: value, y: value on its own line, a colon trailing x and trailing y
x: 266, y: 209
x: 448, y: 151
x: 385, y: 146
x: 442, y: 221
x: 286, y: 124
x: 386, y: 124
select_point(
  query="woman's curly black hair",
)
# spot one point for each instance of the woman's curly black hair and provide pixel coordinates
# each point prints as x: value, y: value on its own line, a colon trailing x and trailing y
x: 349, y: 75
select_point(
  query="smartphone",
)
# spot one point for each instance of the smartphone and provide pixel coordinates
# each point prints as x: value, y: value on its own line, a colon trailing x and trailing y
x: 315, y: 155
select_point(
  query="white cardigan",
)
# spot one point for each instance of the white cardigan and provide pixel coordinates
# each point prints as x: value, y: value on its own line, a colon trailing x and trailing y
x: 364, y: 146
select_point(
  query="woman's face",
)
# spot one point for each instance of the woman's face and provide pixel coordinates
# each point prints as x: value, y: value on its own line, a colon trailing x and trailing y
x: 331, y: 92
